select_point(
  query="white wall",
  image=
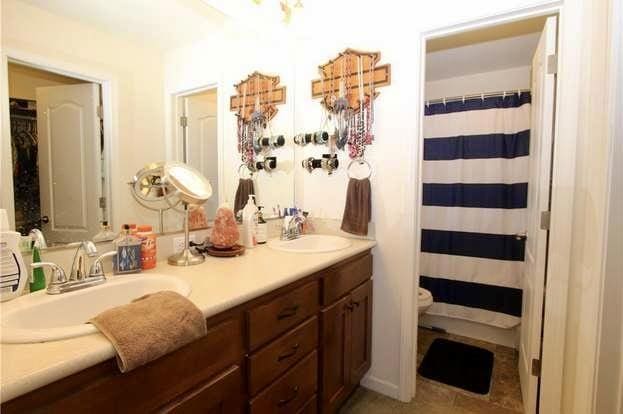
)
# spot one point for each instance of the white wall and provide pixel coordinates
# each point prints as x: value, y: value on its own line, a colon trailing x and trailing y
x: 582, y: 196
x: 136, y: 75
x: 393, y: 154
x: 609, y: 387
x: 500, y: 80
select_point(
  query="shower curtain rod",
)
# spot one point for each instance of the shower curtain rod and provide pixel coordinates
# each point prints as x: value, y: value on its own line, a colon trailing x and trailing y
x: 474, y: 96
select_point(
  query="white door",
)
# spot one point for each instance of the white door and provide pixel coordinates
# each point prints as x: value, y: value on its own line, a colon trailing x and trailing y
x: 69, y: 158
x: 201, y: 145
x: 541, y: 135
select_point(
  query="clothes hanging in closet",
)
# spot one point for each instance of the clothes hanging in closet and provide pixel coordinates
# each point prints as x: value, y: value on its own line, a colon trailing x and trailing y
x: 24, y: 146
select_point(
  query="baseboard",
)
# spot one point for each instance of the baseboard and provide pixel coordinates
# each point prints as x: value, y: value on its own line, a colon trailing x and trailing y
x: 475, y: 330
x: 382, y: 387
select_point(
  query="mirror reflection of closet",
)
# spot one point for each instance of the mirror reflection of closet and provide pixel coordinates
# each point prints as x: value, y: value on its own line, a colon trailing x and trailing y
x: 57, y: 154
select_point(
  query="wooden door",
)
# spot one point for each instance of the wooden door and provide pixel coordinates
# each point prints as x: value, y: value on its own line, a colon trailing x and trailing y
x: 69, y: 159
x: 222, y: 395
x: 361, y: 332
x: 541, y: 136
x: 335, y: 361
x: 201, y: 144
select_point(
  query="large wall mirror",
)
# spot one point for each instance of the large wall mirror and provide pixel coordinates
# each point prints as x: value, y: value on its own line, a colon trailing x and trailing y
x: 80, y: 119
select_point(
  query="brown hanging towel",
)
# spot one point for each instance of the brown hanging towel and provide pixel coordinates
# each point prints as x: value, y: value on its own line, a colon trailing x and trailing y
x: 245, y: 187
x: 358, y: 207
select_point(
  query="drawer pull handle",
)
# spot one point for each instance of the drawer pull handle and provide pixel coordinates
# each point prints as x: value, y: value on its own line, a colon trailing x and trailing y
x: 294, y: 350
x: 284, y: 401
x: 288, y: 312
x: 349, y: 306
x: 355, y: 303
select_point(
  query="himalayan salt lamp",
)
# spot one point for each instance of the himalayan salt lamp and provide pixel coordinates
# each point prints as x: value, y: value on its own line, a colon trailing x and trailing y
x: 197, y: 218
x: 225, y: 233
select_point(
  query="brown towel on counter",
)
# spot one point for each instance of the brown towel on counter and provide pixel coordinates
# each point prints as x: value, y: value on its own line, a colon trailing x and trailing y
x: 358, y: 208
x: 150, y: 327
x: 245, y: 187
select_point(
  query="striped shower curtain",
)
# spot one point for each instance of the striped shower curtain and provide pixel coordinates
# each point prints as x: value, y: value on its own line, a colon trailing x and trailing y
x: 475, y: 174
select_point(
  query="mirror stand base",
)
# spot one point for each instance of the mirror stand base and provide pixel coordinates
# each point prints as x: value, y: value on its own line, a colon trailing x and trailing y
x: 185, y: 258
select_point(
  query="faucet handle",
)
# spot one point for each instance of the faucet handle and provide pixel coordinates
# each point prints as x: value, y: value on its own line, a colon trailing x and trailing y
x: 97, y: 270
x: 58, y: 274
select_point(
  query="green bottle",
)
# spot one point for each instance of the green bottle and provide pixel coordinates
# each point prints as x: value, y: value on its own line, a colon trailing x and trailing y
x: 38, y: 276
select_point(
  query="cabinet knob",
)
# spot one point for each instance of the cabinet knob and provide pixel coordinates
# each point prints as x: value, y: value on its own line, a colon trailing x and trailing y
x: 284, y: 401
x: 287, y: 355
x: 288, y: 312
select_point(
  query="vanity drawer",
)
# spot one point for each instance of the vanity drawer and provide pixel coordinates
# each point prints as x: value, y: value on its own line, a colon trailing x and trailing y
x: 275, y: 359
x: 273, y: 318
x: 291, y: 392
x: 222, y: 395
x: 341, y: 280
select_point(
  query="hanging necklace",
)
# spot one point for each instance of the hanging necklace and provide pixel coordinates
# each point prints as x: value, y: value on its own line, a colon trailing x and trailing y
x: 370, y: 106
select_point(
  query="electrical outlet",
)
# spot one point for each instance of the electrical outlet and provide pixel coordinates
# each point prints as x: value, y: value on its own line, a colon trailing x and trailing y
x: 178, y: 243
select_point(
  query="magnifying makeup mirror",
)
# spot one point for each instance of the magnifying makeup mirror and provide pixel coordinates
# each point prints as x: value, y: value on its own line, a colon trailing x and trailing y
x: 193, y: 189
x: 172, y: 185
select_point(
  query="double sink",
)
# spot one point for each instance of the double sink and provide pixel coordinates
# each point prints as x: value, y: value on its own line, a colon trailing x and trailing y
x: 39, y: 317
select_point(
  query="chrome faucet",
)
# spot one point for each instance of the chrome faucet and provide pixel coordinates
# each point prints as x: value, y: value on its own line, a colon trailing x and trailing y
x: 38, y: 238
x: 60, y: 283
x: 86, y: 248
x: 292, y: 228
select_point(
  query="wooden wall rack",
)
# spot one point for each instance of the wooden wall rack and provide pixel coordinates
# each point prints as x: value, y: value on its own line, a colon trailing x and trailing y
x: 258, y: 84
x: 345, y: 65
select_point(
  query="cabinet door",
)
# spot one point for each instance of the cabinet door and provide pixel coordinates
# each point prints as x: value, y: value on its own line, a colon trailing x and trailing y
x: 335, y: 328
x: 222, y: 395
x: 361, y: 331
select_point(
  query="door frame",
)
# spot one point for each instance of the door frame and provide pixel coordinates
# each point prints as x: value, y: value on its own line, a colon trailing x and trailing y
x: 555, y: 314
x: 107, y: 84
x: 174, y: 152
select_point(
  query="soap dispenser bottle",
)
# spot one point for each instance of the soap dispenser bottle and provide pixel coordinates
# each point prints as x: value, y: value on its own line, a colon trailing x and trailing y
x: 13, y: 274
x: 249, y: 223
x: 128, y: 248
x: 262, y: 227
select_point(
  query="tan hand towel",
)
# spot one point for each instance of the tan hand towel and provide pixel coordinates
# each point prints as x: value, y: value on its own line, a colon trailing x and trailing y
x: 358, y: 207
x: 245, y: 187
x: 150, y: 327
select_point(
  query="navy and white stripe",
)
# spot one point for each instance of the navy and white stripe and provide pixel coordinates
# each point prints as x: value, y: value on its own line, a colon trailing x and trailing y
x: 474, y: 197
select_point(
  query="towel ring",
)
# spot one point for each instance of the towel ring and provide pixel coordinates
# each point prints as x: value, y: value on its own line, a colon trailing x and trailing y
x: 248, y: 169
x: 359, y: 161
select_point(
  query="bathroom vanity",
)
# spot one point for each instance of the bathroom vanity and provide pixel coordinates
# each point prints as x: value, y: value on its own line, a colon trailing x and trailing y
x: 301, y: 347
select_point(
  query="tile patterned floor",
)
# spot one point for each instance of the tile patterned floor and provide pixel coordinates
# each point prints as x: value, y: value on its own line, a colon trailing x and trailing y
x: 435, y: 398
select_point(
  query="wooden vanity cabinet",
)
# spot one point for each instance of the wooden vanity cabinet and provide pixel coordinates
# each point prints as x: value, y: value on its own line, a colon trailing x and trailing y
x: 300, y: 349
x: 346, y: 332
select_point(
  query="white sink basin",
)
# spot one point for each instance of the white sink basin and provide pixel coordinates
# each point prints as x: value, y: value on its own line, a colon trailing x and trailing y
x: 39, y: 317
x: 313, y: 243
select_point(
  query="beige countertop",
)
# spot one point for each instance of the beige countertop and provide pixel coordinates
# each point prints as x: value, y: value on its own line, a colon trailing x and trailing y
x: 217, y: 285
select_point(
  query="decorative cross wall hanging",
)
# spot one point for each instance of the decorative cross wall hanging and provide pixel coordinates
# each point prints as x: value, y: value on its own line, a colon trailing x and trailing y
x: 258, y: 92
x: 346, y: 76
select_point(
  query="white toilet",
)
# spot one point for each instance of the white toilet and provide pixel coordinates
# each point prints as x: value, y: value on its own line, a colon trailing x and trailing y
x: 425, y: 300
